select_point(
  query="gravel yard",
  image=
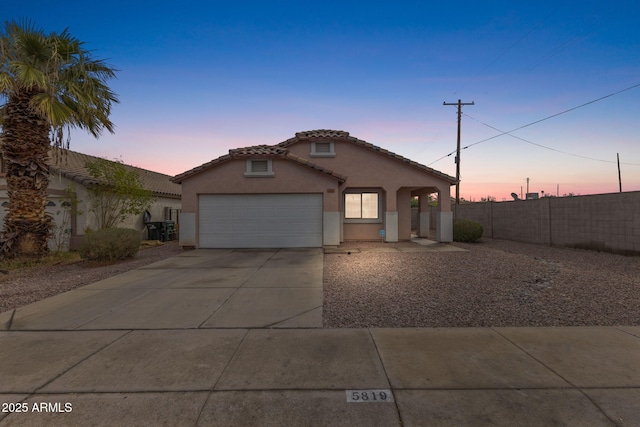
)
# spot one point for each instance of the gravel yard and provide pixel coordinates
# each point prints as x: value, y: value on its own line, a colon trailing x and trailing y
x: 495, y: 283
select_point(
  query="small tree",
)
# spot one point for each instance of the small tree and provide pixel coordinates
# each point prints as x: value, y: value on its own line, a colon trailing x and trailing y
x: 118, y: 194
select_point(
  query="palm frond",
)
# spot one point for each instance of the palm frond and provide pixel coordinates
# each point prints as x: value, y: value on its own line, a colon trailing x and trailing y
x: 69, y: 86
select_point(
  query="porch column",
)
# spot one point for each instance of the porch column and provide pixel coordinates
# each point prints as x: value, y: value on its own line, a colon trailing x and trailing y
x: 424, y: 216
x: 391, y: 227
x: 444, y: 216
x: 332, y: 225
x: 391, y: 216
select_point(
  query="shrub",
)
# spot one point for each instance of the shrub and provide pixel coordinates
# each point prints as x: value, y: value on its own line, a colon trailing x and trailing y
x: 110, y: 244
x: 466, y: 231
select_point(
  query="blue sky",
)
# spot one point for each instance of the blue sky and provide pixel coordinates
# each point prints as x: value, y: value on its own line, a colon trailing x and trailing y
x: 199, y: 78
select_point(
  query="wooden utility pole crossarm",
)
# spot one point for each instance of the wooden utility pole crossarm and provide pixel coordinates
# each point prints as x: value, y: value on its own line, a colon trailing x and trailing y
x: 459, y: 104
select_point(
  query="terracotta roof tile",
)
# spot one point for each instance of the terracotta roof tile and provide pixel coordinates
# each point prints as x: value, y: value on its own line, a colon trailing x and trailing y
x: 339, y: 134
x: 281, y: 150
x: 322, y: 133
x: 258, y: 150
x: 307, y: 163
x: 71, y: 165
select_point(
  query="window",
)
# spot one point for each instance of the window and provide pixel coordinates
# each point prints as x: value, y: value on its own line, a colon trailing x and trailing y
x: 362, y: 206
x: 259, y: 168
x: 322, y: 149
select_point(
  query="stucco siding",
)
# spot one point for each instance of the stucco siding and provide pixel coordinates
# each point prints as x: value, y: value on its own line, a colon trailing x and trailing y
x: 288, y: 178
x: 362, y: 231
x: 364, y: 167
x: 228, y: 178
x: 85, y: 219
x: 403, y: 206
x: 341, y: 165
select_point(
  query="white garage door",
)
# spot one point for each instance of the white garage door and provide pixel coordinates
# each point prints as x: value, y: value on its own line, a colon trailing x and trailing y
x: 260, y: 221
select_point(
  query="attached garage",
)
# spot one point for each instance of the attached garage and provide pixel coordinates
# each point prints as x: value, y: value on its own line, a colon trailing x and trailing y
x: 260, y: 220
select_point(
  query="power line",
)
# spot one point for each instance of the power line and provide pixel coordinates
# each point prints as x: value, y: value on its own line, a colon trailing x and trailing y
x: 560, y: 48
x: 549, y: 148
x: 539, y: 121
x: 496, y: 59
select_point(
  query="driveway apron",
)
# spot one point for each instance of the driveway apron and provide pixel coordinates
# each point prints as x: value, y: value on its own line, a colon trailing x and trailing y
x: 197, y: 289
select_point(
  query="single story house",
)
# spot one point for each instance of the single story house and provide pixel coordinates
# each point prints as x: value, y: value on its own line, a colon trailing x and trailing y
x: 68, y: 172
x: 319, y: 188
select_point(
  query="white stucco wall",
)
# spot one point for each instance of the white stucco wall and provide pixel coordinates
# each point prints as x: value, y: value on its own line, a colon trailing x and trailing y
x: 86, y: 219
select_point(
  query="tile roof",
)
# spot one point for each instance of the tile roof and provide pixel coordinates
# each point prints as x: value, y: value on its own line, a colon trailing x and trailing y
x: 259, y: 150
x: 281, y: 150
x: 322, y: 133
x: 71, y: 165
x: 339, y: 134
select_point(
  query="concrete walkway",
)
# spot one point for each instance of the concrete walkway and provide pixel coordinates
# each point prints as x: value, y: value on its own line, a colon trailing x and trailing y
x: 199, y: 339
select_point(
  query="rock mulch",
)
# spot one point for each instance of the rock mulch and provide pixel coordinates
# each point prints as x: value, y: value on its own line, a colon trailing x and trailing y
x: 495, y: 283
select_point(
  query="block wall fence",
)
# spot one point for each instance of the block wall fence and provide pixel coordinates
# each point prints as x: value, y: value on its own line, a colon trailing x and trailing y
x: 601, y: 222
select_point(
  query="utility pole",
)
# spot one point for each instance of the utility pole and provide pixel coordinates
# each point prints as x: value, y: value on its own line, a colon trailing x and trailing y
x: 619, y: 176
x: 459, y: 104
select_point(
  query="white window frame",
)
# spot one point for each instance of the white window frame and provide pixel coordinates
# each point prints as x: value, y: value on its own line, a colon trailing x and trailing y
x: 251, y: 174
x: 316, y: 153
x: 362, y: 220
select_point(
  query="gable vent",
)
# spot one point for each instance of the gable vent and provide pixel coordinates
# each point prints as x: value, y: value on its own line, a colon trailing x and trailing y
x: 323, y: 147
x: 259, y: 166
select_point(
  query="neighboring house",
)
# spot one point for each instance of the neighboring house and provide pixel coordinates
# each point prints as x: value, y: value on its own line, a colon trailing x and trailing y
x: 319, y: 188
x: 68, y: 171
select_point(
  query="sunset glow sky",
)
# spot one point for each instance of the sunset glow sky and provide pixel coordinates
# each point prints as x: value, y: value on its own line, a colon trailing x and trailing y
x: 199, y: 78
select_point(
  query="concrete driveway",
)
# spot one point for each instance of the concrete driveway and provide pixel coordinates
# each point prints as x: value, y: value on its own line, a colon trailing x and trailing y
x: 205, y: 288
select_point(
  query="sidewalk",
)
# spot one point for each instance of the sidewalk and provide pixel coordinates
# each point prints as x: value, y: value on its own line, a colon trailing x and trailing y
x: 135, y: 364
x: 453, y: 377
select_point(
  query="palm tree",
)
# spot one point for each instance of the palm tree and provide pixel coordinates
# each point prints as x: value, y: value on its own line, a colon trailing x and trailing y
x: 50, y: 84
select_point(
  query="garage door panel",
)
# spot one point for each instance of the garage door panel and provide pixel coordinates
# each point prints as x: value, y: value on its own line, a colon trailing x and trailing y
x: 265, y: 220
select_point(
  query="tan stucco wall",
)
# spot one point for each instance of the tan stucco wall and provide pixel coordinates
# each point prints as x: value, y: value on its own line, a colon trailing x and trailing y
x: 228, y: 178
x: 362, y: 231
x: 404, y: 213
x: 365, y: 168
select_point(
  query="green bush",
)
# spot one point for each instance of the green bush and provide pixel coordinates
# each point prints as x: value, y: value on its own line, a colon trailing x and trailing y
x: 110, y: 244
x: 466, y: 231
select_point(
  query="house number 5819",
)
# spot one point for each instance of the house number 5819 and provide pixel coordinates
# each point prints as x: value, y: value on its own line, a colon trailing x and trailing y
x: 369, y: 396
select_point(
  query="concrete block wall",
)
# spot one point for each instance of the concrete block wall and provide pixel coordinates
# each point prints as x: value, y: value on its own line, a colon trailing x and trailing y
x: 480, y: 212
x: 525, y: 221
x: 603, y: 222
